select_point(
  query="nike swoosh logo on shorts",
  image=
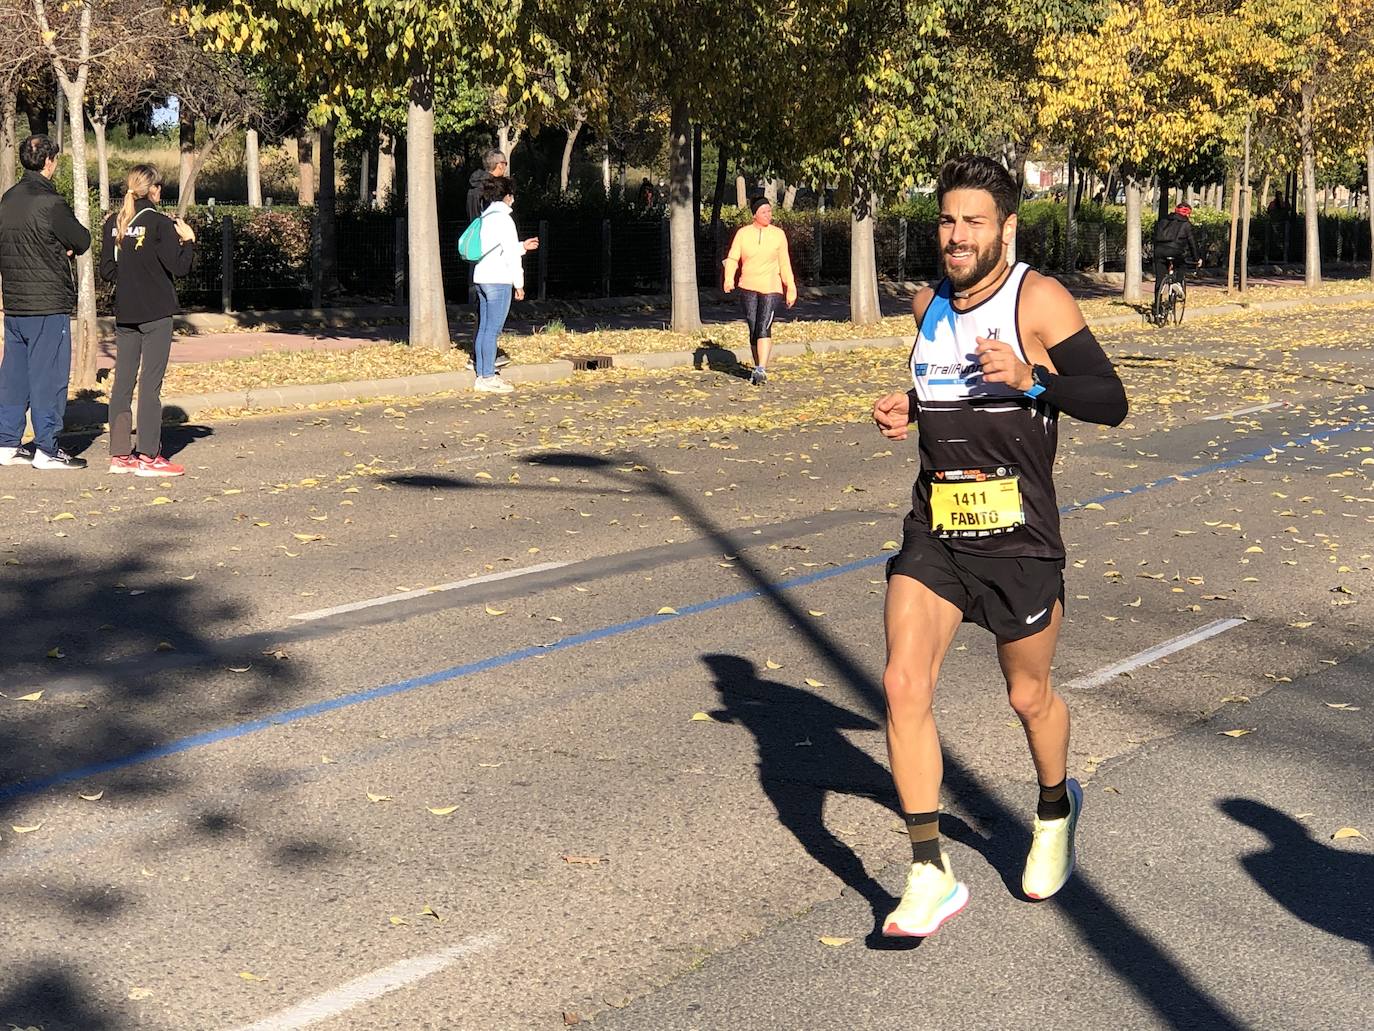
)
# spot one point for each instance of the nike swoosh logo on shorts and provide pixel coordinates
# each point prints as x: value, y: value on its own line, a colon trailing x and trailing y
x: 1032, y: 619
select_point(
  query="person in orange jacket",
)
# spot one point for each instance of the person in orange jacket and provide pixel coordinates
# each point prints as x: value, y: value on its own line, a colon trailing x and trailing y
x: 758, y: 258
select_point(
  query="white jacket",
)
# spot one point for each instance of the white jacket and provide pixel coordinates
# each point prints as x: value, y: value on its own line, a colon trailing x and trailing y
x: 504, y: 253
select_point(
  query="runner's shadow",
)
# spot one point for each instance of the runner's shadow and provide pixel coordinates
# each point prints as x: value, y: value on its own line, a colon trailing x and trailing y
x: 802, y: 757
x: 1328, y: 888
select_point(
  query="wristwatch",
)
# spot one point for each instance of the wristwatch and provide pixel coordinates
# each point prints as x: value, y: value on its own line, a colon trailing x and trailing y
x: 1037, y: 386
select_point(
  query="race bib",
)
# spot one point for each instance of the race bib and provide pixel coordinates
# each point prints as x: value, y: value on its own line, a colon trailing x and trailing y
x: 975, y: 502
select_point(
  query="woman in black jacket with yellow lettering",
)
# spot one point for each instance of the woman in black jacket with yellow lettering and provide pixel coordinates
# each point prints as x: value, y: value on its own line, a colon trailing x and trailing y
x: 143, y: 250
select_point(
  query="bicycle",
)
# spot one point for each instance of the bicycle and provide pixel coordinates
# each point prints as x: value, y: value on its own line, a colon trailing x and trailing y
x: 1173, y: 296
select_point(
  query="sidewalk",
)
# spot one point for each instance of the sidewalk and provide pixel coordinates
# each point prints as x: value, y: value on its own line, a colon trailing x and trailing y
x: 822, y: 306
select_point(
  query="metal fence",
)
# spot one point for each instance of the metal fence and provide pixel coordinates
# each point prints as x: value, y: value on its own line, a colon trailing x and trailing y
x: 258, y: 260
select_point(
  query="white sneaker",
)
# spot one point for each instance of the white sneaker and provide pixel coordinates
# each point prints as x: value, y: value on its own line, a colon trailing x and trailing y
x: 931, y: 897
x: 492, y: 385
x: 58, y: 460
x: 21, y: 455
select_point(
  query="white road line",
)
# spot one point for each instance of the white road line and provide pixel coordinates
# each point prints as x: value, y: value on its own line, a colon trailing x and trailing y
x: 1149, y: 655
x: 388, y: 599
x: 1244, y: 411
x: 370, y: 986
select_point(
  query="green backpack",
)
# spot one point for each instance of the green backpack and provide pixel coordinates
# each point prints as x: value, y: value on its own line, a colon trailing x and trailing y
x: 470, y: 243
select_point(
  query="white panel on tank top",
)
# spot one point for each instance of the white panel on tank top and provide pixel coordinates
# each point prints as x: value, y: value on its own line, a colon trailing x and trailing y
x: 944, y: 362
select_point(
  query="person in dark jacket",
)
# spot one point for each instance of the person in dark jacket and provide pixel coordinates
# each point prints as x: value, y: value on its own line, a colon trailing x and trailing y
x: 143, y: 251
x: 39, y: 235
x: 1173, y: 238
x: 493, y: 164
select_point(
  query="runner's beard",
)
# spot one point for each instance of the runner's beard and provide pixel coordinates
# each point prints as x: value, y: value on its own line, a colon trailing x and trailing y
x: 987, y: 261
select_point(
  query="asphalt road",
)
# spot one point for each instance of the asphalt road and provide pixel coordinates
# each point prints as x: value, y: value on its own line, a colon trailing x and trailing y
x: 606, y: 743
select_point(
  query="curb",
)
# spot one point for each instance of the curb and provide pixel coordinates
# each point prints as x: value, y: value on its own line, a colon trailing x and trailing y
x: 186, y: 407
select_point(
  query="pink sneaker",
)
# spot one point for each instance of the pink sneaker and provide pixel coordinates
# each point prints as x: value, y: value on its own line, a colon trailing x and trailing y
x: 158, y: 466
x: 124, y: 463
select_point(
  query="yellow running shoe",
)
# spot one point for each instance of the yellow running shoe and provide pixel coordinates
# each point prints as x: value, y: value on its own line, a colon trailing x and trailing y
x: 1052, y: 854
x: 931, y: 897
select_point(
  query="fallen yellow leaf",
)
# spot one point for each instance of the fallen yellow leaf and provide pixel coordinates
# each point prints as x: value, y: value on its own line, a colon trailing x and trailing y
x: 814, y: 612
x: 378, y: 798
x: 442, y: 810
x: 96, y: 797
x: 31, y: 697
x: 1346, y: 832
x: 667, y: 610
x: 770, y: 664
x: 160, y: 501
x: 834, y: 943
x: 493, y: 611
x: 702, y: 717
x: 813, y: 683
x: 1236, y: 733
x: 1093, y: 506
x: 26, y: 830
x: 397, y: 921
x: 890, y: 545
x: 62, y: 517
x: 250, y: 976
x: 56, y: 653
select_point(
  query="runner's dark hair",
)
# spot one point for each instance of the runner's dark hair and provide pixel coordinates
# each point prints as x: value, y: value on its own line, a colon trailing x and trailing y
x: 497, y: 187
x: 975, y: 172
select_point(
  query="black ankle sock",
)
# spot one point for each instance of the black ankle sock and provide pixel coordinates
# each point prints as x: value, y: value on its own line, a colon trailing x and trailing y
x: 1054, y: 801
x: 924, y: 829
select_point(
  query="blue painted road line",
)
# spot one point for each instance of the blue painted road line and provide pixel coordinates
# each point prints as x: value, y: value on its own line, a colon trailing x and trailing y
x: 23, y: 789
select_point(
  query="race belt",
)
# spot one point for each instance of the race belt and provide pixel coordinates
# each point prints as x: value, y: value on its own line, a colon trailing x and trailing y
x: 975, y: 502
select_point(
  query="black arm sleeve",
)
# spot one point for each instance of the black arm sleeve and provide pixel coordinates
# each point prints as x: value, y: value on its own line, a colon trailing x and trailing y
x: 1194, y: 251
x: 1086, y: 386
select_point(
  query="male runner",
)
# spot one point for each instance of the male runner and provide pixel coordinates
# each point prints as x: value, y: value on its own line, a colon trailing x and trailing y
x: 1000, y: 352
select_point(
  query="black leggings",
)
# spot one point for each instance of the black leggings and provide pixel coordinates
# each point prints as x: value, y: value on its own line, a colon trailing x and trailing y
x: 759, y: 310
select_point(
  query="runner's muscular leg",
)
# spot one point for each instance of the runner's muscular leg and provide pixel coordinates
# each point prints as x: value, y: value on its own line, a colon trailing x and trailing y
x: 920, y: 626
x: 1026, y: 666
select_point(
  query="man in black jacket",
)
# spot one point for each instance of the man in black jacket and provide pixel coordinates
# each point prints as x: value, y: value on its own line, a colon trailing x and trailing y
x: 1173, y: 237
x: 39, y: 234
x: 493, y: 164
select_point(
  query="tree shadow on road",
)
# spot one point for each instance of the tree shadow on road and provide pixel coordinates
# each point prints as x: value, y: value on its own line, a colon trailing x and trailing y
x: 1329, y: 888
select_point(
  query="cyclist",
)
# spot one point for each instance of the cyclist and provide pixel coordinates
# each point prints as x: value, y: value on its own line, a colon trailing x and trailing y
x: 1173, y: 237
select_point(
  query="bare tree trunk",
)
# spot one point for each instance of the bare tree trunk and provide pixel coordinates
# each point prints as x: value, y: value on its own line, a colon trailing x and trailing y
x: 606, y: 171
x: 9, y: 141
x: 770, y: 191
x: 102, y: 161
x: 507, y: 139
x: 365, y: 177
x: 1312, y: 263
x: 428, y: 316
x: 565, y: 169
x: 62, y: 118
x: 718, y: 197
x: 326, y: 206
x: 1369, y: 185
x: 252, y: 167
x: 1231, y: 240
x: 305, y: 164
x: 741, y: 191
x: 216, y: 135
x: 682, y: 232
x: 789, y: 197
x: 386, y: 168
x: 186, y: 141
x: 1130, y: 290
x: 86, y: 335
x: 864, y: 308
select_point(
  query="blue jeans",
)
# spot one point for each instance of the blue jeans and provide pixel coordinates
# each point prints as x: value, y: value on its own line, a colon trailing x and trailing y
x: 493, y: 305
x: 34, y: 374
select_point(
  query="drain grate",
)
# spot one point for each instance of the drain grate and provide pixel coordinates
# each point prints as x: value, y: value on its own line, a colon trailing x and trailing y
x: 587, y: 362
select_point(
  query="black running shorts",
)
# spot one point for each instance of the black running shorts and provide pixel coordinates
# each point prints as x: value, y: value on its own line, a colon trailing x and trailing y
x: 1011, y: 597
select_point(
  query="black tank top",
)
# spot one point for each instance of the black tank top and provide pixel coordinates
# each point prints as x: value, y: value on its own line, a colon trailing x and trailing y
x: 969, y: 430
